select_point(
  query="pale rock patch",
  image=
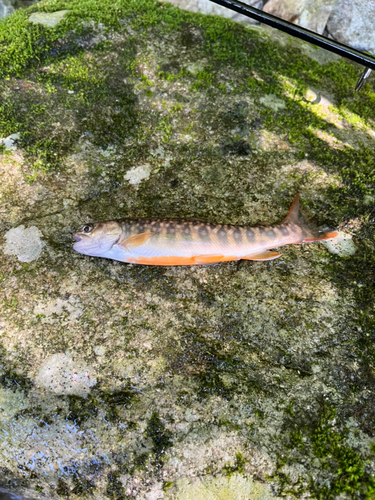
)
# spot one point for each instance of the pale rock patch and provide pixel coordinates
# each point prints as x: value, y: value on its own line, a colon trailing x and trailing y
x: 342, y: 245
x: 58, y: 307
x: 236, y: 487
x: 49, y: 19
x: 24, y: 243
x: 137, y: 174
x: 61, y: 374
x: 99, y: 350
x: 6, y: 8
x: 272, y: 102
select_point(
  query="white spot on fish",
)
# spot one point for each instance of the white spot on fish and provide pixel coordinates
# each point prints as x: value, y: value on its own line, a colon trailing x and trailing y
x: 342, y: 245
x: 24, y: 243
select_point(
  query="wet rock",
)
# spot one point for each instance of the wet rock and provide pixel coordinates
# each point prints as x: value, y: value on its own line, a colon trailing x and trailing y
x: 351, y: 23
x: 311, y: 15
x: 24, y: 243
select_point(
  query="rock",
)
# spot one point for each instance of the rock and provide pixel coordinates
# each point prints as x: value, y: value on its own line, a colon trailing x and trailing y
x: 207, y: 382
x: 207, y: 7
x: 351, y: 22
x: 61, y: 374
x: 6, y: 8
x: 342, y: 245
x: 49, y: 19
x: 311, y: 15
x: 235, y: 487
x: 137, y: 174
x: 8, y: 142
x: 25, y: 244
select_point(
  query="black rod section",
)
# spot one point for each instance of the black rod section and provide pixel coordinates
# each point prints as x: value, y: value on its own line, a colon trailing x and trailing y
x: 299, y: 32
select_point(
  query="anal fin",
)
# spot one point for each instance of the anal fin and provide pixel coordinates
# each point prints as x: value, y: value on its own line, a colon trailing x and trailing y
x: 267, y: 255
x: 135, y: 241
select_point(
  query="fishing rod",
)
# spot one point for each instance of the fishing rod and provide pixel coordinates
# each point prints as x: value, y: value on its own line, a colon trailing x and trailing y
x: 341, y: 49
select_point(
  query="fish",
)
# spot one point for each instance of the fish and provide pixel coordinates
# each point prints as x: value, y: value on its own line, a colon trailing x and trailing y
x: 173, y: 242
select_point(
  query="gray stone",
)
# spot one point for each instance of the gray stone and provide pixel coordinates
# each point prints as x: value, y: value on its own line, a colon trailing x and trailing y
x: 352, y: 23
x: 207, y: 7
x: 49, y: 19
x: 312, y: 15
x: 342, y: 245
x: 6, y: 8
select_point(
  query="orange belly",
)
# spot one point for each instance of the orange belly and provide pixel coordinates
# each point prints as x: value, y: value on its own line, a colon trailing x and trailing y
x: 182, y: 261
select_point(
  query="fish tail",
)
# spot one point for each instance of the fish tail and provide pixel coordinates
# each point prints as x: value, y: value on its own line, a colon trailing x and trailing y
x: 309, y: 234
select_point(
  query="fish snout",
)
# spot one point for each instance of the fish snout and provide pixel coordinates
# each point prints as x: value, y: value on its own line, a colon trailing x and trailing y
x: 77, y: 238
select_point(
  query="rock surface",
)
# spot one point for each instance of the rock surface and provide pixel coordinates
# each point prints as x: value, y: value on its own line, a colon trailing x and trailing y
x: 239, y: 380
x: 312, y: 15
x: 351, y: 22
x: 6, y: 8
x: 207, y: 7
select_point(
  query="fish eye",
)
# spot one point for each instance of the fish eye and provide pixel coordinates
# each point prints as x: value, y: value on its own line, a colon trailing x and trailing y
x: 88, y: 228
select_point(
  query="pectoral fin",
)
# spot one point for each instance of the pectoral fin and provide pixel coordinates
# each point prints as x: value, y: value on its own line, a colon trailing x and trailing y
x: 262, y: 256
x: 135, y: 241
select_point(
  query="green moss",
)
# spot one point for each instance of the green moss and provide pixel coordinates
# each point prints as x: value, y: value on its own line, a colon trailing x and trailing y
x: 14, y: 381
x: 160, y: 436
x: 238, y: 467
x: 115, y: 488
x: 321, y: 437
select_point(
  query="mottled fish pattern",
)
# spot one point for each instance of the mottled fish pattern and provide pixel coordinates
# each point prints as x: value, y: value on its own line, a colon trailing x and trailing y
x: 174, y: 242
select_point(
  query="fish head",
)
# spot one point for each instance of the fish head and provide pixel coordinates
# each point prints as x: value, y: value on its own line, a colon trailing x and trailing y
x: 97, y: 239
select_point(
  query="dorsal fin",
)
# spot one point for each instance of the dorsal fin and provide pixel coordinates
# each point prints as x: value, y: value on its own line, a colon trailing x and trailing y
x: 293, y: 214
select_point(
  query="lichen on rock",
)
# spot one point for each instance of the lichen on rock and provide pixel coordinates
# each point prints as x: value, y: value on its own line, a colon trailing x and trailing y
x: 25, y: 244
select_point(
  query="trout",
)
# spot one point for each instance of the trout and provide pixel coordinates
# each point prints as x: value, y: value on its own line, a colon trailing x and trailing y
x: 183, y: 243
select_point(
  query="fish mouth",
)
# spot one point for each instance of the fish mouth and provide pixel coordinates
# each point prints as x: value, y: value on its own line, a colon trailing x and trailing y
x: 77, y: 238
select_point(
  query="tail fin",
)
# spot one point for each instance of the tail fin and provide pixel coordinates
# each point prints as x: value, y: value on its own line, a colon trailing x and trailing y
x: 294, y: 217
